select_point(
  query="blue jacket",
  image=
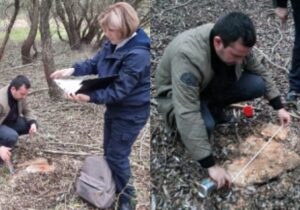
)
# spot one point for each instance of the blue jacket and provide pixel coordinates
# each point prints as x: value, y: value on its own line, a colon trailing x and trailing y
x: 129, y: 95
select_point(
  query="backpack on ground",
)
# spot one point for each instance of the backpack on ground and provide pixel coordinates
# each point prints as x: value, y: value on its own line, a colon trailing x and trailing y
x: 95, y: 183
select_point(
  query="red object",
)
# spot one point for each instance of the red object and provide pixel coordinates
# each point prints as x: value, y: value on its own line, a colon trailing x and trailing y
x: 248, y: 111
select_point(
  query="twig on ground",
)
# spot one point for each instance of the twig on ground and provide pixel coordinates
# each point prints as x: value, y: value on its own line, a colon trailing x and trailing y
x: 145, y: 132
x: 241, y: 106
x: 237, y: 134
x: 294, y: 115
x: 278, y: 42
x: 51, y: 194
x: 22, y: 66
x: 175, y: 7
x: 74, y: 144
x: 269, y: 60
x: 278, y: 28
x: 37, y: 91
x: 287, y: 62
x: 68, y: 153
x: 70, y: 186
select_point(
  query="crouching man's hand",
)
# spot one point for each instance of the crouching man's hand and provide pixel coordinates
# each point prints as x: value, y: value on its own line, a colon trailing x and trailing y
x: 5, y: 153
x: 32, y: 130
x: 219, y: 175
x: 284, y: 117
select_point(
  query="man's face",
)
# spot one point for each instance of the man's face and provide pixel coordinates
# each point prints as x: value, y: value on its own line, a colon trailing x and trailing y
x: 19, y: 94
x: 233, y: 54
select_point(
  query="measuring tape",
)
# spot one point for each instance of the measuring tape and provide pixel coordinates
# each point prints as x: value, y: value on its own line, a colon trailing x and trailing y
x: 259, y: 151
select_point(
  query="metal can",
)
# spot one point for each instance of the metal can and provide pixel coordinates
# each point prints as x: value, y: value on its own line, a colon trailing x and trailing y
x: 207, y: 185
x: 10, y: 166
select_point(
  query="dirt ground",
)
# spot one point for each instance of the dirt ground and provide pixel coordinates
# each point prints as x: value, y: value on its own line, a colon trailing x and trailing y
x: 175, y: 177
x: 64, y: 127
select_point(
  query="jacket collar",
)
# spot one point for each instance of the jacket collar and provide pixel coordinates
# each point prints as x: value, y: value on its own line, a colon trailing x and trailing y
x: 122, y: 43
x: 139, y: 40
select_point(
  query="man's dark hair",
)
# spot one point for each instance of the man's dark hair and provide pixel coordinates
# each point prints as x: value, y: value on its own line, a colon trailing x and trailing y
x: 234, y: 26
x: 19, y: 81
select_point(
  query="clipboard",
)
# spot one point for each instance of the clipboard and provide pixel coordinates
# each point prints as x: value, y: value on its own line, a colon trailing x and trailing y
x: 84, y: 86
x: 90, y: 85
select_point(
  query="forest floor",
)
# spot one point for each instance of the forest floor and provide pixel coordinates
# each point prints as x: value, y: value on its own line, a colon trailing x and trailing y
x: 64, y: 127
x: 175, y: 176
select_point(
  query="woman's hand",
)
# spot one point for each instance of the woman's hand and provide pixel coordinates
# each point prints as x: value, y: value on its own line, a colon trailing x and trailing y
x: 78, y: 97
x: 62, y: 73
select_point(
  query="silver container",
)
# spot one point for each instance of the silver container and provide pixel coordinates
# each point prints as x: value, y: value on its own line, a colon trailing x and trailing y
x: 207, y: 185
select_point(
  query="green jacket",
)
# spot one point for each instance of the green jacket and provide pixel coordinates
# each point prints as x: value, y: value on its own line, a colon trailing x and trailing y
x: 23, y: 107
x: 179, y: 103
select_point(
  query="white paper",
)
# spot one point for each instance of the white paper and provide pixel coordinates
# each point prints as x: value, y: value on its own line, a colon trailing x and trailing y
x: 68, y: 85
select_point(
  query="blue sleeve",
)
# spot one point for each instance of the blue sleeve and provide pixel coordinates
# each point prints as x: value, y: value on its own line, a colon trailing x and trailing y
x: 133, y: 69
x: 87, y: 67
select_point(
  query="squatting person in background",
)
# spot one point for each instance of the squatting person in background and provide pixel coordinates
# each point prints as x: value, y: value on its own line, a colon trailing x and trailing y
x: 15, y: 115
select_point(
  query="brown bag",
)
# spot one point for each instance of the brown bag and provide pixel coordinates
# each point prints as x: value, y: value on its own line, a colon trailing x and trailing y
x: 95, y: 183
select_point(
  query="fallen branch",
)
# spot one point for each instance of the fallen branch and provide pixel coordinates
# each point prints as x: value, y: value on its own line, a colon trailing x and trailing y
x: 74, y: 144
x: 70, y: 186
x: 51, y: 194
x: 22, y: 66
x: 241, y: 106
x: 278, y: 42
x: 145, y: 132
x: 175, y: 7
x: 237, y: 134
x: 294, y: 115
x: 69, y: 153
x: 269, y: 60
x: 281, y: 36
x: 37, y: 91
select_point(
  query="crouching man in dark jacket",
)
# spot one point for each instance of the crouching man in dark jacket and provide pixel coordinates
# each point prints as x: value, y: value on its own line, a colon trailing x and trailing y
x: 15, y: 115
x: 205, y: 69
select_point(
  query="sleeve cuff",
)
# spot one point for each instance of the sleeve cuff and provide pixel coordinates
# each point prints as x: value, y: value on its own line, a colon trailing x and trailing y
x: 280, y: 3
x: 93, y: 98
x: 207, y: 162
x: 75, y: 66
x: 276, y: 103
x: 30, y: 122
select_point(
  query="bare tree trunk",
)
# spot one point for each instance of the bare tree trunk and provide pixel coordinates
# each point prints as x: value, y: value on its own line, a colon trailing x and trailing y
x: 47, y: 53
x: 12, y: 21
x: 69, y: 7
x: 28, y: 43
x: 58, y: 31
x: 93, y: 30
x: 69, y: 23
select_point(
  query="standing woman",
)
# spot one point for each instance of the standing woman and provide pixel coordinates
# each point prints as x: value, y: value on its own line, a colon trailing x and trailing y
x: 127, y: 99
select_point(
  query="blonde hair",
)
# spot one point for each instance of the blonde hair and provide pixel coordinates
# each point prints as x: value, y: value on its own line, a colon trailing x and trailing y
x: 120, y: 16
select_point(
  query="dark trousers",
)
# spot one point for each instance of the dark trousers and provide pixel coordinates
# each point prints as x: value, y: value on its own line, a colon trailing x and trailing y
x: 248, y: 87
x: 9, y: 133
x: 294, y: 75
x: 119, y: 136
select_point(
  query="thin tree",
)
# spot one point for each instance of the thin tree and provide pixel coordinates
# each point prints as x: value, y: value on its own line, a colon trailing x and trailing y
x: 29, y: 42
x: 47, y: 52
x: 11, y: 24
